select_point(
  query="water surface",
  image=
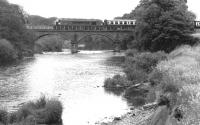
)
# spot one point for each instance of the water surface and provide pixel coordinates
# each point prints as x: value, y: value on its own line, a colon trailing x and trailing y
x: 76, y: 80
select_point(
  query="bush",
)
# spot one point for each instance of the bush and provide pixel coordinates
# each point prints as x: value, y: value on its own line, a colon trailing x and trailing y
x: 3, y: 116
x: 7, y: 52
x: 169, y: 87
x: 147, y: 61
x: 155, y: 77
x: 49, y: 44
x: 12, y: 117
x: 117, y: 81
x: 53, y: 112
x: 43, y: 111
x: 131, y: 52
x: 135, y: 75
x: 25, y: 111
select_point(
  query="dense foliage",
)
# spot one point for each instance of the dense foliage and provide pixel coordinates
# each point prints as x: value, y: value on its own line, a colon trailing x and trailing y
x: 12, y: 28
x: 49, y: 44
x: 42, y: 111
x: 162, y: 25
x: 7, y: 52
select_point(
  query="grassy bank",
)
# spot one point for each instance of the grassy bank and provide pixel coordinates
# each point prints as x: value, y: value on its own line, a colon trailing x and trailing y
x: 138, y: 68
x: 41, y: 111
x: 174, y: 86
x: 182, y: 71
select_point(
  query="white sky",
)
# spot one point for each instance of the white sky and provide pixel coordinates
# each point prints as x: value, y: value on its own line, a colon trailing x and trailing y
x: 97, y: 9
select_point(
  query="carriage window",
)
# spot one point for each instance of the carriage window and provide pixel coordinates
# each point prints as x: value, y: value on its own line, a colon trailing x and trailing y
x: 125, y: 22
x: 116, y: 22
x: 121, y: 22
x: 111, y: 22
x: 132, y: 22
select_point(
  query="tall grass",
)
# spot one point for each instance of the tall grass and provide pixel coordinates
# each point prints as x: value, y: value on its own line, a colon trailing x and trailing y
x: 182, y: 78
x: 41, y: 111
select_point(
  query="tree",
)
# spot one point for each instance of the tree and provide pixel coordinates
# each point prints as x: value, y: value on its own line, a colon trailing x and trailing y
x: 163, y: 25
x: 12, y: 28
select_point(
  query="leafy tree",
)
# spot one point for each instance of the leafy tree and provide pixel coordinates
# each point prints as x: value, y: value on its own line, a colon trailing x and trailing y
x: 7, y: 52
x: 12, y: 28
x: 162, y: 24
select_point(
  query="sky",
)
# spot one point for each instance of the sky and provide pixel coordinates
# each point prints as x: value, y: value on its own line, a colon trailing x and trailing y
x: 87, y: 9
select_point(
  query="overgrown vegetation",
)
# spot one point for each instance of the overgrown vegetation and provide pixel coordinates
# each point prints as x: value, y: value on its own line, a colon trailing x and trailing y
x: 49, y: 44
x: 12, y: 29
x: 42, y: 111
x: 7, y: 52
x: 162, y: 25
x: 138, y: 68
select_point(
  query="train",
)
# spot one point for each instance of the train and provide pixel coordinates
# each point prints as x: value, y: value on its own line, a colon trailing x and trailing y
x: 94, y: 24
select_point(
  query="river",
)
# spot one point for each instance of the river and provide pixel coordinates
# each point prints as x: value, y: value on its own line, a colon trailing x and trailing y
x: 76, y: 80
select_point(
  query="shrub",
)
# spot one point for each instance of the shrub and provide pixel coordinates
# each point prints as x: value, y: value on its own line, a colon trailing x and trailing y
x: 12, y: 117
x: 151, y: 96
x: 155, y: 77
x: 131, y: 52
x: 147, y: 61
x: 3, y: 116
x: 43, y: 110
x: 53, y: 112
x: 117, y: 84
x: 7, y: 52
x: 41, y: 102
x: 135, y: 75
x: 116, y: 81
x: 49, y: 44
x: 170, y: 87
x: 137, y: 67
x: 25, y: 111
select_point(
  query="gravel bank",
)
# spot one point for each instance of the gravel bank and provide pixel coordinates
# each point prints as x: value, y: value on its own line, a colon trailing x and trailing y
x: 135, y: 117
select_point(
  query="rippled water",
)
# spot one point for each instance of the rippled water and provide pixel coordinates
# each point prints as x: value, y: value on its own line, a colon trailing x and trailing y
x: 75, y: 79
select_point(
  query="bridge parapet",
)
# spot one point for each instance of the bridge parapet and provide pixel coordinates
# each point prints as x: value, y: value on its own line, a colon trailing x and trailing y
x: 39, y: 27
x: 82, y: 28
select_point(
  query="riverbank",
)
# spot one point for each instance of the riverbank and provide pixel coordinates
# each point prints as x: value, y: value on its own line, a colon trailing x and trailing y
x: 135, y: 117
x: 178, y: 98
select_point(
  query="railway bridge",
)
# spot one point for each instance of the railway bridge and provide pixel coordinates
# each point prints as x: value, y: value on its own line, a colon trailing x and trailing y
x: 76, y: 33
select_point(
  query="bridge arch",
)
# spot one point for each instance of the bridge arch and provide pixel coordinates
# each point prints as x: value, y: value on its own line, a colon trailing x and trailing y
x: 96, y: 34
x: 47, y: 34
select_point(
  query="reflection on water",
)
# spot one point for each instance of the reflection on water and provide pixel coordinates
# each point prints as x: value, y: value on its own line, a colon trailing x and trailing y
x: 76, y: 80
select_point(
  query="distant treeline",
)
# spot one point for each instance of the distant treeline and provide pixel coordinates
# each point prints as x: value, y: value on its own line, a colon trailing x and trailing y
x: 38, y: 20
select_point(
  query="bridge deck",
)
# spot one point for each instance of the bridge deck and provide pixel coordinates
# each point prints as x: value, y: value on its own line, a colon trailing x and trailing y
x: 78, y: 28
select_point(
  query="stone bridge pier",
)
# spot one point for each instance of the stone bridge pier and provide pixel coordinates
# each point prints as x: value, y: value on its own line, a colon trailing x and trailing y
x: 75, y: 41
